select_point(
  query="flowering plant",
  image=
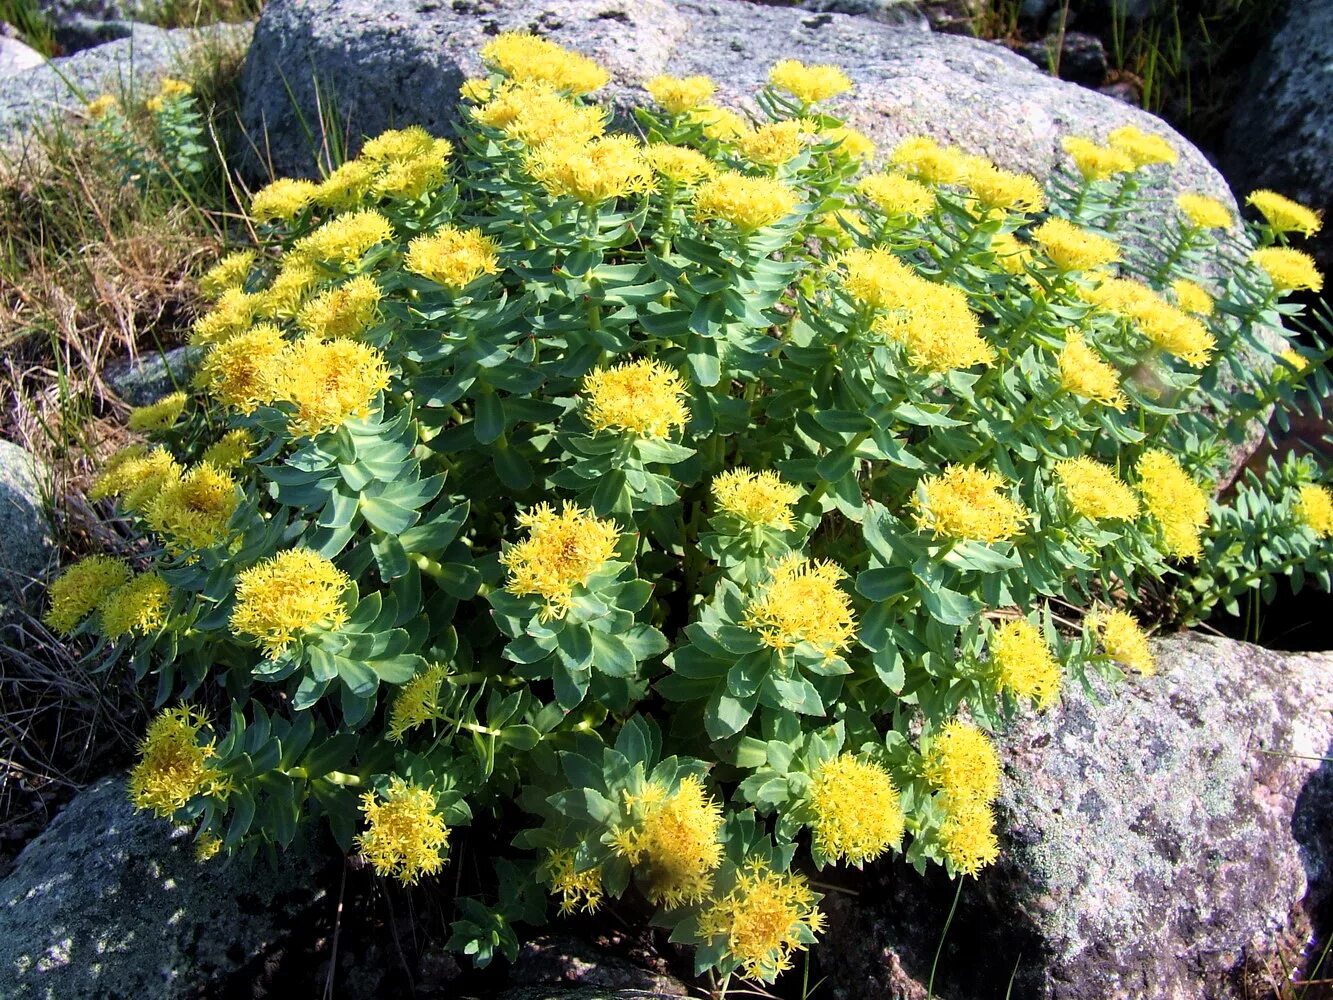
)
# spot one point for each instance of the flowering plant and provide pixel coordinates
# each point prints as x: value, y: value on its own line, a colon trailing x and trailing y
x: 160, y: 149
x: 691, y: 504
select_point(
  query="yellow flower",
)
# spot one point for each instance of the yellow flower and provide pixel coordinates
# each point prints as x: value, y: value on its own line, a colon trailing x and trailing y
x: 809, y: 84
x: 1024, y: 662
x: 346, y: 310
x: 410, y: 179
x: 101, y: 106
x: 774, y: 144
x: 139, y: 607
x: 1314, y: 508
x: 157, y: 416
x: 897, y: 196
x: 675, y: 842
x: 934, y: 324
x: 284, y: 199
x: 760, y: 499
x: 400, y: 145
x: 231, y: 451
x: 417, y: 703
x: 1010, y: 252
x: 1192, y: 297
x: 206, y: 848
x: 1175, y: 500
x: 1096, y: 162
x: 1073, y: 248
x: 1123, y: 640
x: 1095, y: 491
x: 477, y: 90
x: 525, y: 57
x: 232, y: 313
x: 78, y: 591
x: 245, y: 371
x: 579, y: 890
x: 282, y: 596
x: 344, y: 239
x: 452, y: 257
x: 600, y: 170
x: 967, y: 835
x: 802, y: 602
x: 173, y: 764
x: 873, y: 277
x: 534, y: 114
x: 282, y: 299
x: 136, y: 475
x: 927, y: 160
x: 748, y: 203
x: 1204, y: 212
x: 561, y: 552
x: 1085, y: 374
x: 1143, y: 148
x: 329, y: 382
x: 965, y: 502
x: 764, y: 919
x: 1288, y: 269
x: 643, y: 398
x: 1168, y: 327
x: 961, y: 760
x: 110, y: 481
x: 719, y: 124
x: 230, y: 272
x: 405, y: 835
x: 680, y: 94
x: 192, y: 512
x: 168, y: 90
x: 347, y: 185
x: 679, y: 164
x: 851, y: 142
x: 997, y: 189
x: 858, y: 811
x: 1284, y: 215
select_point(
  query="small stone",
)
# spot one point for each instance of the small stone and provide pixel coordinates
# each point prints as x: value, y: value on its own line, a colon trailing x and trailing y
x: 152, y: 375
x: 1082, y: 57
x: 29, y: 546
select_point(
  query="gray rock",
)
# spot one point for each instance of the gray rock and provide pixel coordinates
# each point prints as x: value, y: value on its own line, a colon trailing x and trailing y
x: 1281, y: 132
x: 152, y: 375
x: 900, y: 13
x: 108, y: 902
x: 558, y: 961
x: 29, y: 546
x: 1157, y: 845
x: 127, y: 67
x: 15, y: 56
x: 1082, y: 57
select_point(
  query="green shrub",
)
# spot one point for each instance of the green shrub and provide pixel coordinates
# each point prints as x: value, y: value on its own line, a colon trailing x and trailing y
x: 688, y: 508
x: 160, y: 149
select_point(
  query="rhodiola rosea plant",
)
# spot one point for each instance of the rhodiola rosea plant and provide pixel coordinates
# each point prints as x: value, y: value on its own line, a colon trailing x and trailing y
x: 689, y: 505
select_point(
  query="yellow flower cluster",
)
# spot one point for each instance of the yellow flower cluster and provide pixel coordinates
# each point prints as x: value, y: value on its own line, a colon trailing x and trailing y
x: 962, y: 763
x: 1095, y: 161
x: 1314, y: 509
x: 80, y: 590
x: 774, y: 144
x: 935, y: 325
x: 534, y: 113
x: 346, y: 310
x: 809, y: 84
x: 1095, y: 491
x: 760, y: 499
x: 417, y: 702
x: 766, y: 917
x: 680, y: 94
x: 157, y: 416
x: 282, y: 200
x: 453, y: 257
x: 192, y: 513
x: 858, y: 813
x: 347, y: 184
x: 897, y: 196
x: 329, y: 382
x: 101, y: 105
x: 135, y: 475
x: 408, y: 178
x: 1192, y: 297
x: 405, y: 835
x: 296, y: 279
x: 343, y: 240
x: 207, y: 847
x: 173, y: 764
x: 1175, y: 500
x: 679, y: 164
x: 138, y: 607
x: 230, y: 272
x: 748, y: 203
x: 580, y: 891
x: 1284, y: 215
x: 719, y: 124
x: 170, y: 89
x: 560, y: 553
x: 644, y: 398
x: 1003, y: 190
x: 1204, y: 212
x: 231, y: 451
x: 231, y: 314
x: 851, y: 142
x: 1168, y: 327
x: 967, y: 834
x: 1289, y: 270
x: 243, y: 372
x: 675, y: 841
x: 1144, y: 148
x: 802, y: 602
x: 526, y: 58
x: 966, y: 503
x: 1073, y: 248
x: 1024, y: 663
x: 926, y: 160
x: 592, y: 172
x: 284, y: 595
x: 1123, y: 640
x: 1084, y: 373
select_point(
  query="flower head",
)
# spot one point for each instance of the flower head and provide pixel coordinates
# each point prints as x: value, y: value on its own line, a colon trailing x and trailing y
x: 410, y: 179
x: 809, y: 84
x: 1024, y: 663
x: 766, y: 917
x: 1204, y: 212
x: 230, y: 272
x: 405, y: 835
x: 1123, y: 640
x: 675, y: 841
x: 644, y: 398
x: 1284, y: 215
x: 136, y: 475
x: 206, y: 848
x: 231, y: 451
x: 344, y: 239
x: 580, y: 891
x: 330, y: 381
x: 679, y: 164
x: 1095, y: 491
x: 284, y: 595
x: 453, y: 257
x: 858, y: 811
x: 399, y: 145
x: 1142, y: 147
x: 719, y: 124
x: 417, y: 702
x: 967, y: 835
x: 1084, y: 373
x: 748, y: 203
x: 173, y: 764
x: 80, y: 589
x: 760, y: 499
x: 802, y: 602
x: 283, y: 298
x: 1011, y: 253
x: 157, y: 416
x: 527, y: 58
x: 851, y: 142
x: 1314, y: 509
x: 774, y: 144
x: 874, y: 277
x: 1005, y: 190
x: 138, y: 607
x: 962, y: 762
x: 897, y: 196
x: 192, y: 513
x: 1168, y: 327
x: 1288, y: 269
x: 1094, y: 161
x: 933, y: 322
x: 245, y: 371
x: 561, y: 552
x: 592, y: 172
x: 534, y: 113
x: 680, y: 94
x: 1178, y: 503
x: 347, y: 185
x: 283, y: 199
x: 1073, y: 248
x: 230, y: 315
x: 345, y: 310
x: 928, y: 161
x: 1192, y: 297
x: 965, y: 502
x: 101, y: 106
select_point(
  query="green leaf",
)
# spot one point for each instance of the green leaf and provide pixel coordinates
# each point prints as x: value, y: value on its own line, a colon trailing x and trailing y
x: 885, y: 584
x: 726, y: 715
x: 611, y: 656
x: 948, y: 606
